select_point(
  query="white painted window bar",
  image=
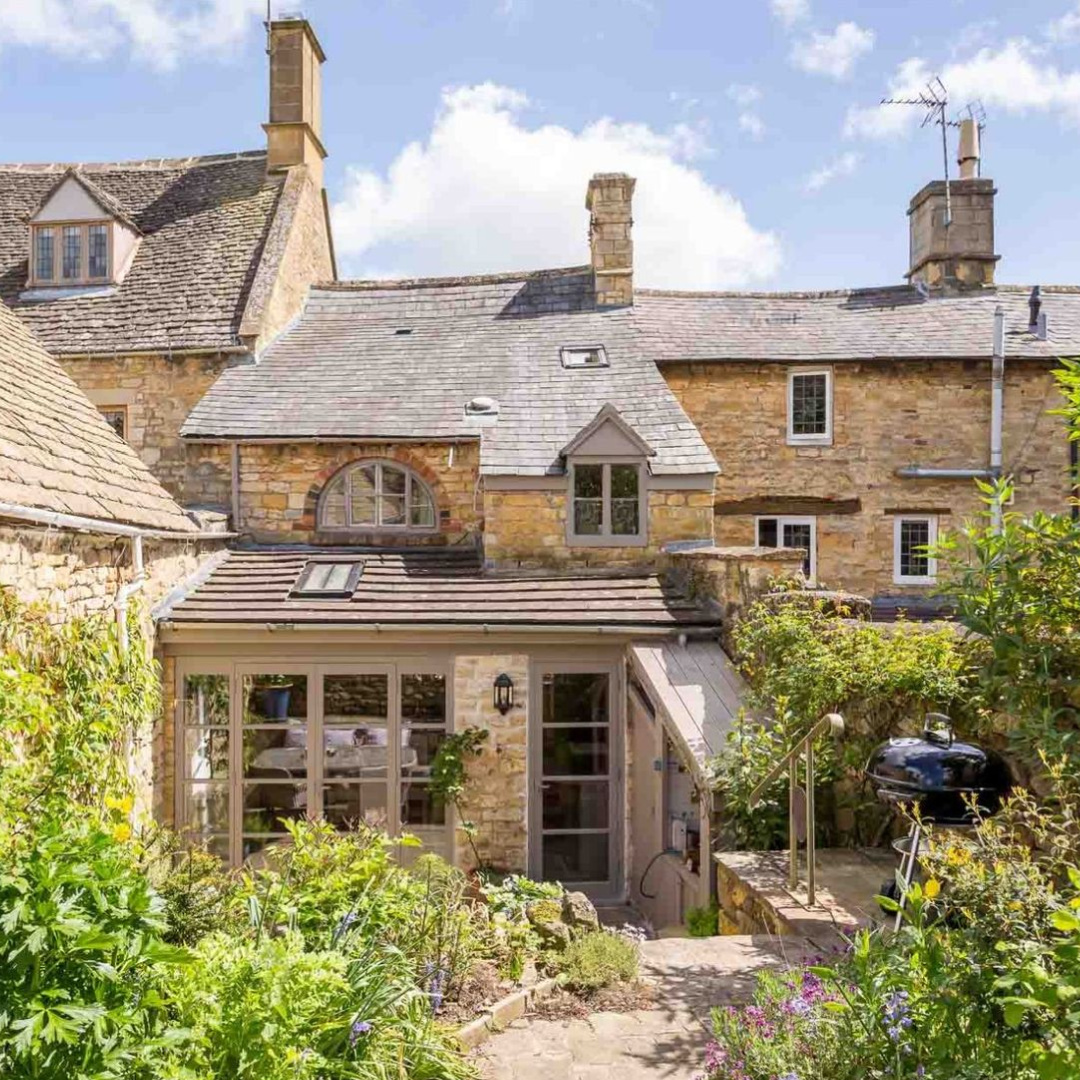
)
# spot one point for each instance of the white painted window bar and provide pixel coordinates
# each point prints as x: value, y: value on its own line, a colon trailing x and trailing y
x: 830, y: 724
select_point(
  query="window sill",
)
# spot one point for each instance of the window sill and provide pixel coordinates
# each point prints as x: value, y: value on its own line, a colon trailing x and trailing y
x: 606, y: 541
x: 809, y: 440
x: 923, y: 581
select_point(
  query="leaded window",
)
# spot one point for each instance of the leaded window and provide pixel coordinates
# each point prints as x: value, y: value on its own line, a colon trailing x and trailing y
x: 809, y: 406
x: 791, y: 532
x: 606, y: 500
x: 98, y: 251
x: 44, y: 254
x: 72, y: 253
x: 376, y: 495
x: 913, y: 538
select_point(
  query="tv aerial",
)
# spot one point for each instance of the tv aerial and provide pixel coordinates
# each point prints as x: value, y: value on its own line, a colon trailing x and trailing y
x: 934, y: 101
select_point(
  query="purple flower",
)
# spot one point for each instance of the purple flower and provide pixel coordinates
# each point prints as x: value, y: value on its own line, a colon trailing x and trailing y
x: 359, y: 1028
x: 435, y: 977
x: 789, y: 1076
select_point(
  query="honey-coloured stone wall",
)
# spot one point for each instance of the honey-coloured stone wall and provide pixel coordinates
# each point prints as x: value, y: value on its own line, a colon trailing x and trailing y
x: 886, y: 415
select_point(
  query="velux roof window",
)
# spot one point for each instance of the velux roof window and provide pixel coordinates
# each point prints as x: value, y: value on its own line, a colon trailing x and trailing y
x: 584, y: 356
x: 328, y: 580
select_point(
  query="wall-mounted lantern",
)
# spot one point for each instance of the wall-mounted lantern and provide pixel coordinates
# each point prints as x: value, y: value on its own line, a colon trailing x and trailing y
x: 504, y: 693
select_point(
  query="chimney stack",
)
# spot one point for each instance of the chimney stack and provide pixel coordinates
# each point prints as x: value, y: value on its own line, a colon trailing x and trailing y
x: 953, y: 253
x: 294, y: 132
x: 611, y: 247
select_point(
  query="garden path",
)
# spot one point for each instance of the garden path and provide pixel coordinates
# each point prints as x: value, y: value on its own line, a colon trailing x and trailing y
x: 690, y: 975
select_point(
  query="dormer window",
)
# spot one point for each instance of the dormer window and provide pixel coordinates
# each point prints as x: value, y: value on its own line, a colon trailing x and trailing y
x: 83, y: 251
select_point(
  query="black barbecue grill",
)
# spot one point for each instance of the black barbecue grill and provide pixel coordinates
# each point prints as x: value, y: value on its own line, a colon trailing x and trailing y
x: 950, y: 782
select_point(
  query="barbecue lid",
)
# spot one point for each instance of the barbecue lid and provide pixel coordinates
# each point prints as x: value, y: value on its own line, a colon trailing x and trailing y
x: 938, y: 764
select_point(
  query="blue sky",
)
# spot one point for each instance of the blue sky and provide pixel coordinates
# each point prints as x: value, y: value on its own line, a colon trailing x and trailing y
x: 462, y: 132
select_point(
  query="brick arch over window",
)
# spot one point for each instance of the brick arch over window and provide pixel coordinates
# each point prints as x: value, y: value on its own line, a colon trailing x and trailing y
x: 387, y: 493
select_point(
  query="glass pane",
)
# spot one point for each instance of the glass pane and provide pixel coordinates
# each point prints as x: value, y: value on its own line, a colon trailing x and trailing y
x: 345, y: 759
x: 809, y: 404
x: 206, y: 754
x: 571, y: 698
x: 275, y: 699
x: 393, y: 481
x: 216, y: 845
x: 252, y: 845
x: 392, y: 508
x: 575, y: 805
x: 423, y: 699
x: 117, y: 420
x: 571, y: 751
x: 422, y: 511
x: 799, y: 536
x: 206, y: 807
x: 364, y: 510
x: 267, y: 804
x: 767, y: 533
x: 347, y: 805
x: 98, y: 256
x: 333, y: 505
x: 44, y: 260
x: 420, y: 806
x: 275, y: 753
x: 72, y: 262
x: 588, y: 481
x: 363, y: 481
x: 624, y: 517
x: 588, y: 517
x: 206, y: 700
x: 418, y: 749
x: 624, y: 481
x: 576, y: 858
x: 362, y: 499
x: 356, y: 697
x: 914, y: 560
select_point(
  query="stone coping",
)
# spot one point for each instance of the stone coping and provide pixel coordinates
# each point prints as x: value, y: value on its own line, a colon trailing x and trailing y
x: 503, y: 1013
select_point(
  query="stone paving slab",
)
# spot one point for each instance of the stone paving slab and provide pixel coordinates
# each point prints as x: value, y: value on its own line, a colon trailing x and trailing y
x: 691, y: 976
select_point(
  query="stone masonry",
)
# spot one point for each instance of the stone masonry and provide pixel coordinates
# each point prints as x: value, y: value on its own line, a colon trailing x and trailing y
x: 611, y: 246
x: 886, y: 415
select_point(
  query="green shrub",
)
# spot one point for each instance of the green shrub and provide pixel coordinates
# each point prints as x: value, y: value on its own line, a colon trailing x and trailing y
x: 599, y: 959
x: 703, y: 921
x: 196, y: 888
x: 82, y: 960
x: 512, y: 894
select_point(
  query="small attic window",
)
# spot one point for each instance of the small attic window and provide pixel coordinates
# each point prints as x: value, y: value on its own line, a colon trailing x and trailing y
x: 327, y: 580
x: 584, y: 356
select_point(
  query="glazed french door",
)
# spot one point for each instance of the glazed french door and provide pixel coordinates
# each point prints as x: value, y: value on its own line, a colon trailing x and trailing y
x: 577, y: 778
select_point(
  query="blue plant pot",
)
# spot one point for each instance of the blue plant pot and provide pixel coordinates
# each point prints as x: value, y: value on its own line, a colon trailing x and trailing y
x: 275, y: 702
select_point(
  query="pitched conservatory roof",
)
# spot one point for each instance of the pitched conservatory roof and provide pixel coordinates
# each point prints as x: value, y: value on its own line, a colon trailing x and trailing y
x: 436, y: 587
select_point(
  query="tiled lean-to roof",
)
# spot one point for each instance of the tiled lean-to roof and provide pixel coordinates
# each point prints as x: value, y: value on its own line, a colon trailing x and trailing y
x: 431, y: 587
x: 400, y: 360
x: 56, y: 450
x: 203, y: 221
x: 854, y: 324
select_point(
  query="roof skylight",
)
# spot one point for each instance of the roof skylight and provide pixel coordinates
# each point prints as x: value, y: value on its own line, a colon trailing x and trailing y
x: 328, y: 580
x: 583, y: 356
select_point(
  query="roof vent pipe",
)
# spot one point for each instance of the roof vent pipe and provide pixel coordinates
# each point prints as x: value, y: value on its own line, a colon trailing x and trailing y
x: 1036, y: 316
x: 997, y: 406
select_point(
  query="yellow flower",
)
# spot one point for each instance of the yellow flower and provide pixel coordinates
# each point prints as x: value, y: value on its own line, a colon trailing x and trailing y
x: 122, y: 806
x: 933, y: 887
x: 958, y: 856
x: 1015, y: 905
x: 121, y: 832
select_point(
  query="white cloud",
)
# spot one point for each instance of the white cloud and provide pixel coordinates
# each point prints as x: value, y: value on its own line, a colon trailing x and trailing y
x: 746, y: 96
x: 752, y: 124
x: 488, y: 192
x: 790, y: 12
x: 155, y: 31
x: 844, y: 165
x: 1066, y: 29
x: 1015, y: 78
x: 832, y: 54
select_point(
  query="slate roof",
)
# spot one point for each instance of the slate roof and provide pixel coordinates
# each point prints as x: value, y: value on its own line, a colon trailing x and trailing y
x: 204, y: 222
x: 431, y: 586
x: 58, y: 453
x: 854, y: 324
x: 377, y: 360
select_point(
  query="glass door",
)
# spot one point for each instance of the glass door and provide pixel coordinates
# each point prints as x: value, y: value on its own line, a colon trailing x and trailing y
x: 576, y: 782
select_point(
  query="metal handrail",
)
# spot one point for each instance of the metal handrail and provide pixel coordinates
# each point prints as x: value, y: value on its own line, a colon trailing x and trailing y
x: 831, y: 724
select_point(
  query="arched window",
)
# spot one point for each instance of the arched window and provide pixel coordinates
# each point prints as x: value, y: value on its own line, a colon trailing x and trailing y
x: 376, y: 495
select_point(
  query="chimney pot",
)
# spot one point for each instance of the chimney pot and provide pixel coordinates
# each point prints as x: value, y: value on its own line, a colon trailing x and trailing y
x: 294, y: 130
x: 968, y: 156
x: 611, y: 247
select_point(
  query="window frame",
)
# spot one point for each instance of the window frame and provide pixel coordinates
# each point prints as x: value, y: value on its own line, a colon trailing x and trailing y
x: 350, y: 527
x: 58, y: 280
x: 930, y: 578
x: 818, y: 438
x: 607, y: 538
x: 397, y: 781
x: 119, y: 410
x: 791, y: 519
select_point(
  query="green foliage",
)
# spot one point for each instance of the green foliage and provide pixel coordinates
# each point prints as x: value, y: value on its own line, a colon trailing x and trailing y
x: 450, y: 775
x: 512, y: 894
x: 802, y: 661
x: 703, y: 921
x: 82, y: 959
x: 599, y: 959
x: 1017, y: 590
x: 274, y: 1009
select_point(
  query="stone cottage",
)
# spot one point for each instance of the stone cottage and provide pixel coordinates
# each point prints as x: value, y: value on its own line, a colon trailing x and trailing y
x: 147, y: 279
